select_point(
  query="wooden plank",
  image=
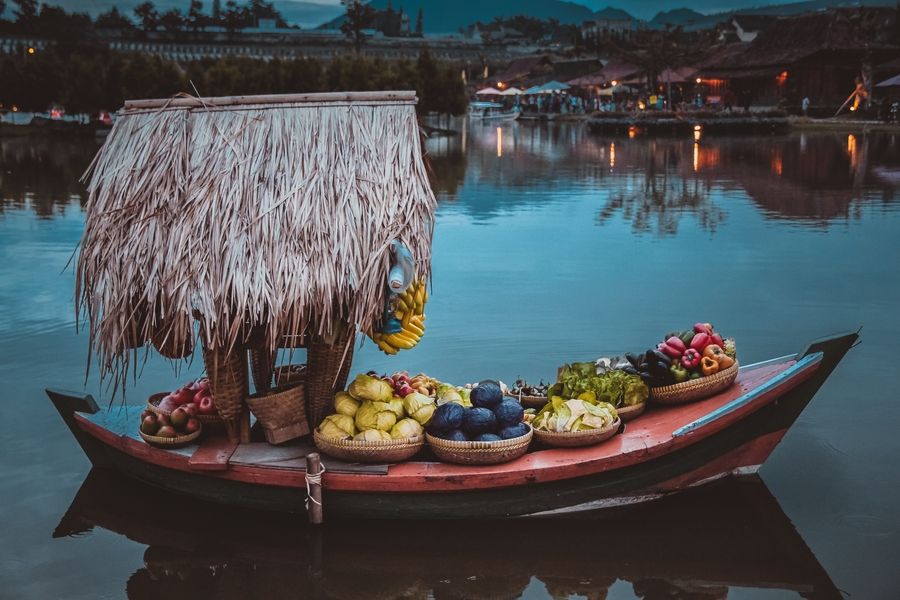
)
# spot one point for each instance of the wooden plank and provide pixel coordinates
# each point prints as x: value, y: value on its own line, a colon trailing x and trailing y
x: 213, y: 454
x: 329, y: 97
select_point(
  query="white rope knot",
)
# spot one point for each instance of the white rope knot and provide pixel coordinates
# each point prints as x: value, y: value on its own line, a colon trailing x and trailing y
x: 313, y: 479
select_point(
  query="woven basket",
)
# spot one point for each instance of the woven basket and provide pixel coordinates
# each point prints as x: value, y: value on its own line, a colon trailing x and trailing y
x: 529, y: 401
x: 574, y: 439
x: 228, y: 383
x: 387, y: 451
x: 281, y: 412
x: 287, y: 374
x: 262, y: 367
x: 326, y: 373
x: 214, y: 421
x: 167, y: 442
x: 480, y: 453
x: 695, y: 389
x: 627, y: 413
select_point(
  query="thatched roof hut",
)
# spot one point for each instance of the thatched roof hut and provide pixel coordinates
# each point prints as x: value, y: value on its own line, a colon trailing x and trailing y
x: 260, y: 212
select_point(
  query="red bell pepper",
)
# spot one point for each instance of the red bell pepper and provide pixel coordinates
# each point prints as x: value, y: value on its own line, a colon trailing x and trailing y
x: 673, y: 347
x: 700, y: 341
x: 690, y: 359
x: 706, y: 328
x: 716, y: 339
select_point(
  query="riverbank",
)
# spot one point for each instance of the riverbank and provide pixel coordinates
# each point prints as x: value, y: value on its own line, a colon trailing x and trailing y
x: 840, y: 125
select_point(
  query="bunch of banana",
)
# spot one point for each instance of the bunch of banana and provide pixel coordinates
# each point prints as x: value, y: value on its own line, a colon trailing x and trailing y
x: 410, y: 310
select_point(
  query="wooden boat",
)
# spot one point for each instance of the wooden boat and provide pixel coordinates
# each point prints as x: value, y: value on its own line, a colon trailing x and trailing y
x: 731, y: 533
x: 665, y: 450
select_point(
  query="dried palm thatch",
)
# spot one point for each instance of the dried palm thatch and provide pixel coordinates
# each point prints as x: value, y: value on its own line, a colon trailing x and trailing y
x: 263, y: 211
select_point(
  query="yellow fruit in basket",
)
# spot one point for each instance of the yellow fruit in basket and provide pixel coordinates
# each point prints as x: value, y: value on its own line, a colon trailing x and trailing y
x: 345, y: 404
x: 375, y: 415
x: 372, y: 435
x: 337, y: 427
x: 406, y: 428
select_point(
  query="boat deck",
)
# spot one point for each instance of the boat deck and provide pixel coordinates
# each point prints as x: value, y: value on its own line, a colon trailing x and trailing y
x: 656, y: 432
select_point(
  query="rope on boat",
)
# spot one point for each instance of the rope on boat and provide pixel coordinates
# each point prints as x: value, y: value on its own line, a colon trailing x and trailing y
x: 311, y: 480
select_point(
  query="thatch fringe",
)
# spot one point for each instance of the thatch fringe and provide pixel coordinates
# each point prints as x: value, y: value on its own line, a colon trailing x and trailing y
x: 278, y: 216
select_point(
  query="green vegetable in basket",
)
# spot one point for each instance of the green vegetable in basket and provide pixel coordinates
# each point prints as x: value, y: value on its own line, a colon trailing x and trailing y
x: 447, y: 393
x: 575, y: 414
x: 372, y: 435
x: 406, y: 428
x: 581, y: 380
x: 365, y: 387
x: 337, y: 427
x: 635, y: 392
x: 375, y: 415
x: 345, y: 404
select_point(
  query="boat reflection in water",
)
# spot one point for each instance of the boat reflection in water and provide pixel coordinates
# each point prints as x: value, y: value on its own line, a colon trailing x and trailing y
x: 698, y: 544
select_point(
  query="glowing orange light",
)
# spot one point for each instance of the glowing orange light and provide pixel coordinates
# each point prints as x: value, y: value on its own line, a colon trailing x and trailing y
x: 631, y: 131
x: 614, y: 82
x: 852, y: 151
x: 699, y: 80
x: 777, y: 164
x: 499, y: 142
x: 612, y: 155
x: 782, y: 77
x: 30, y: 50
x: 641, y: 105
x: 15, y: 108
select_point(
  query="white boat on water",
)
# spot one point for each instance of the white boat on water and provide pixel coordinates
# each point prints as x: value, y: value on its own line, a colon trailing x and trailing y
x: 492, y: 111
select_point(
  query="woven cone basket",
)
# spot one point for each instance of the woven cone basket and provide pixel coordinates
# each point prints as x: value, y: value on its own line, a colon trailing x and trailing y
x: 227, y: 372
x: 326, y: 373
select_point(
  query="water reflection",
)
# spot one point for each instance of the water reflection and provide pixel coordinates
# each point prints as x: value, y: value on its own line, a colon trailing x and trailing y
x: 654, y: 182
x: 43, y: 172
x: 698, y: 544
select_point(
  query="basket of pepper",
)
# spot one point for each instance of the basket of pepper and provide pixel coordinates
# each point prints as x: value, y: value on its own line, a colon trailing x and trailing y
x: 688, y: 365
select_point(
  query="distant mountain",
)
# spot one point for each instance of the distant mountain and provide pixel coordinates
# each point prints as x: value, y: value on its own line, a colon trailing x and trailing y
x: 446, y: 16
x: 646, y: 9
x: 678, y: 16
x: 613, y: 14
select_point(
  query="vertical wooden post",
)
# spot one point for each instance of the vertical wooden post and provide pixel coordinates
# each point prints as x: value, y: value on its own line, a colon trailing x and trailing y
x: 314, y: 488
x: 244, y: 425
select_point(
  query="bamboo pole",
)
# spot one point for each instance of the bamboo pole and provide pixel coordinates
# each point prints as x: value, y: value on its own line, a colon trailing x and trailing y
x: 314, y: 488
x: 846, y: 102
x: 194, y: 102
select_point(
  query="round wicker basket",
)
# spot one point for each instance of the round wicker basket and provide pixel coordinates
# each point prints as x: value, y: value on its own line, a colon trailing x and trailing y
x: 387, y: 451
x: 574, y: 439
x: 627, y: 413
x: 207, y: 420
x: 695, y: 389
x: 529, y: 401
x: 171, y: 442
x: 480, y: 453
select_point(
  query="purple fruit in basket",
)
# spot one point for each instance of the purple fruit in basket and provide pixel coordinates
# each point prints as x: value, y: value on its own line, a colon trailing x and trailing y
x: 454, y: 436
x: 149, y: 425
x: 192, y: 426
x: 486, y: 394
x: 166, y: 431
x: 179, y: 418
x: 167, y: 404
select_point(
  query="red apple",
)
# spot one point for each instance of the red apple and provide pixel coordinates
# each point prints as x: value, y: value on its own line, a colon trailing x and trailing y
x: 206, y: 406
x: 179, y: 418
x: 166, y: 431
x: 149, y: 425
x: 163, y: 420
x: 405, y: 390
x: 192, y: 425
x: 190, y: 408
x: 183, y: 396
x: 200, y: 395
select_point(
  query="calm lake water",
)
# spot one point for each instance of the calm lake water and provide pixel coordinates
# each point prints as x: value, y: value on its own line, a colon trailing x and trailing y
x: 551, y: 245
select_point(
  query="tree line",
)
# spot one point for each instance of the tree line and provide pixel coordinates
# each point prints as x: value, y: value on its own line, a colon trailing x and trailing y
x: 87, y: 79
x: 79, y: 71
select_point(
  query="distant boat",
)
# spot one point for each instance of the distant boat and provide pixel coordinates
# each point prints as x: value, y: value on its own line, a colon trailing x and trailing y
x: 492, y: 111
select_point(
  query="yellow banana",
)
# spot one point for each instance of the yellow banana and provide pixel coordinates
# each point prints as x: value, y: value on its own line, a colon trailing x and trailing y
x: 386, y: 348
x: 404, y: 319
x: 414, y: 328
x: 397, y: 341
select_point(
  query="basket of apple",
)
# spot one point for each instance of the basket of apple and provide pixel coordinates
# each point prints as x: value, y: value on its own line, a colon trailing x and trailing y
x: 170, y: 431
x: 194, y: 397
